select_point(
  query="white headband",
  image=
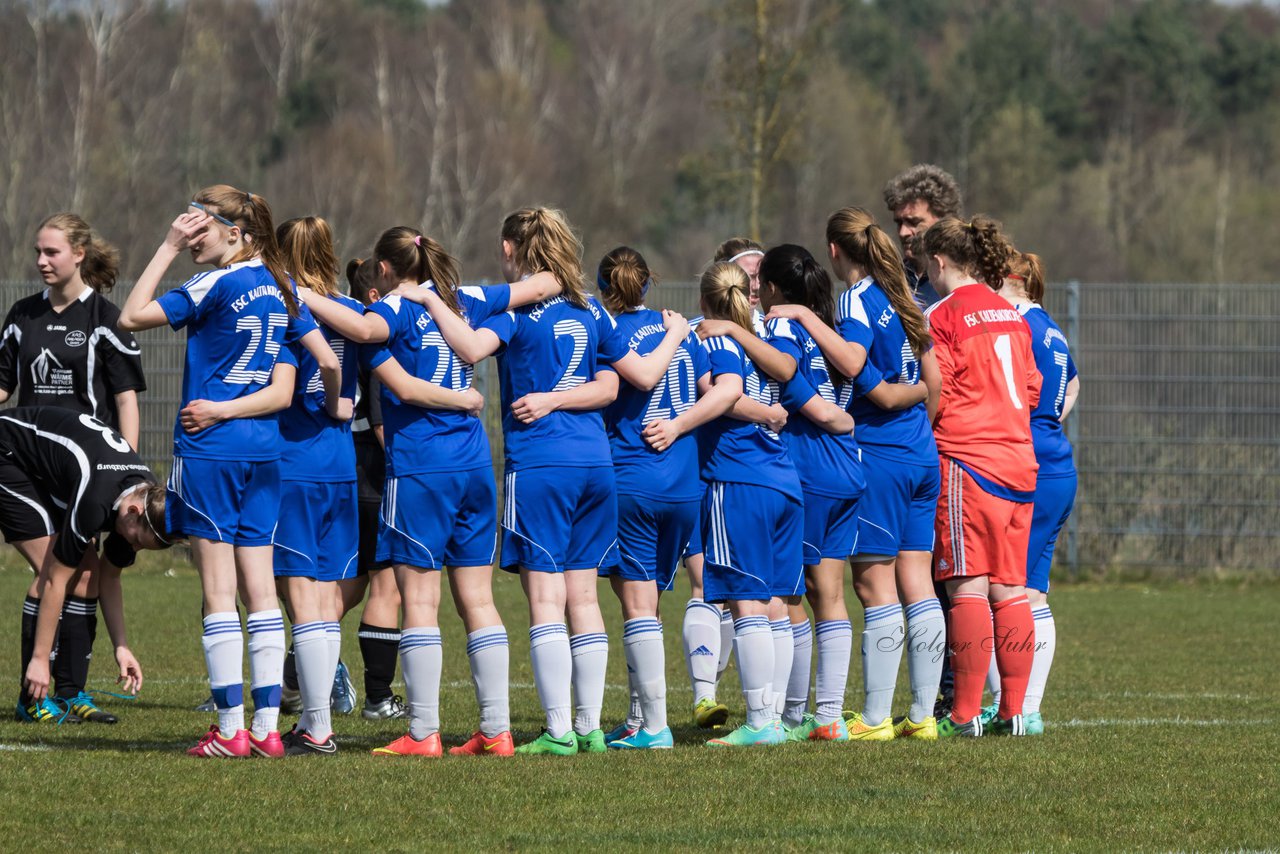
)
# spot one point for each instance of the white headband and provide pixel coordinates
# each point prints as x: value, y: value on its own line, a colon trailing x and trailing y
x: 744, y: 254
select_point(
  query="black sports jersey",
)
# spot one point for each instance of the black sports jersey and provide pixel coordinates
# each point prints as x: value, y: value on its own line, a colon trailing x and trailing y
x: 81, y: 463
x: 371, y: 459
x: 78, y: 358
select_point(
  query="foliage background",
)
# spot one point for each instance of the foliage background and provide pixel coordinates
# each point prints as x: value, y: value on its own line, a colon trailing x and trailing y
x: 1123, y: 140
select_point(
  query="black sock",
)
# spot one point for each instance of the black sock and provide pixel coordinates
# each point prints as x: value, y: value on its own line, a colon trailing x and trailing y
x: 379, y: 647
x: 290, y: 670
x: 75, y: 646
x: 30, y: 611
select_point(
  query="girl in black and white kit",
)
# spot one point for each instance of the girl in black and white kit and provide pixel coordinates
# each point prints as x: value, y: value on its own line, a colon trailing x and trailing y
x: 62, y: 347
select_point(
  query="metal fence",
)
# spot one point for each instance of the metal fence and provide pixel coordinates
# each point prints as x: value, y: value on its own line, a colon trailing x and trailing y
x: 1175, y: 432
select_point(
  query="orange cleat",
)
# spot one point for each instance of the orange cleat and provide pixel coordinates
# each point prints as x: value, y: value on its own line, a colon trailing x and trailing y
x: 481, y: 745
x: 407, y: 745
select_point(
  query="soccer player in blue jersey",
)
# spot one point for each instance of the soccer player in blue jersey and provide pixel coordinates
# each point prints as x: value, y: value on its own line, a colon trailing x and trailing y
x: 826, y: 458
x: 439, y: 506
x: 379, y: 629
x: 559, y: 521
x: 753, y: 512
x: 225, y: 482
x: 747, y: 254
x: 316, y: 538
x: 880, y: 336
x: 1056, y: 479
x: 655, y: 460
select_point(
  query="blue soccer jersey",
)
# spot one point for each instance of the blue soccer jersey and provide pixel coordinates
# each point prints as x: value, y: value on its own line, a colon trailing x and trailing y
x: 236, y: 324
x: 1054, y: 362
x: 865, y: 316
x: 431, y: 440
x: 318, y: 449
x: 554, y: 346
x: 671, y: 474
x: 827, y: 463
x: 734, y: 451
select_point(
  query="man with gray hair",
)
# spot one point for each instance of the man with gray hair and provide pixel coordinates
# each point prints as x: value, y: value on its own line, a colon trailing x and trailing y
x: 918, y: 198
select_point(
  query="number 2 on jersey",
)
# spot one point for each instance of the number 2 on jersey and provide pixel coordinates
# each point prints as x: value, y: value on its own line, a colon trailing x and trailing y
x: 1004, y: 352
x: 259, y: 329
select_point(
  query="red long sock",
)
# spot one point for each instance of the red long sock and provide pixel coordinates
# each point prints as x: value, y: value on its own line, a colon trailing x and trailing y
x: 1015, y: 640
x: 969, y: 632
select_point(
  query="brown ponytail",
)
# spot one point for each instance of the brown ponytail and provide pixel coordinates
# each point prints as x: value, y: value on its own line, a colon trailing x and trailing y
x: 978, y: 247
x: 413, y: 255
x: 623, y: 279
x: 855, y: 232
x: 253, y: 215
x: 101, y: 263
x: 724, y: 289
x: 1031, y: 270
x: 361, y: 273
x: 544, y: 241
x: 307, y: 245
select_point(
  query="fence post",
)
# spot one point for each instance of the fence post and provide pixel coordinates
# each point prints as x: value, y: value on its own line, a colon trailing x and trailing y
x: 1073, y: 427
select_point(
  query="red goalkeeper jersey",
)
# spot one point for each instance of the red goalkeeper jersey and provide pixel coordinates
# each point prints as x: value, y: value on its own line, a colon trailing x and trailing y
x: 989, y: 387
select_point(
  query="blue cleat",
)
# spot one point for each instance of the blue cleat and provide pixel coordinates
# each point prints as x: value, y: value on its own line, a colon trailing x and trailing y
x: 642, y: 739
x: 44, y: 711
x: 1034, y: 723
x: 343, y: 696
x: 619, y: 732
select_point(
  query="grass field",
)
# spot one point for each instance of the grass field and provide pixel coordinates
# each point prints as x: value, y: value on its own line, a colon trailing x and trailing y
x: 1161, y: 718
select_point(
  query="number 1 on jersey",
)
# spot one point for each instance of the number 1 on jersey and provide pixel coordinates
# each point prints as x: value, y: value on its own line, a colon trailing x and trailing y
x: 1004, y: 352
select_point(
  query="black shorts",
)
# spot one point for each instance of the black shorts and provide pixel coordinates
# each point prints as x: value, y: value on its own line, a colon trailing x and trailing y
x: 366, y: 560
x: 26, y: 511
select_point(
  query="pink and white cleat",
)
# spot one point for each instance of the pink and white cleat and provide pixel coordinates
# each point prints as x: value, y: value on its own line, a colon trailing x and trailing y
x: 212, y: 745
x: 268, y: 747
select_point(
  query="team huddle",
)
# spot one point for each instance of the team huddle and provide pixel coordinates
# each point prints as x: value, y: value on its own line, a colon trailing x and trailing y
x: 905, y: 422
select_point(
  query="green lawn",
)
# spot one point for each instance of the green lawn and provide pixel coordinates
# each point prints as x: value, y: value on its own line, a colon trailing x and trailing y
x: 1162, y: 734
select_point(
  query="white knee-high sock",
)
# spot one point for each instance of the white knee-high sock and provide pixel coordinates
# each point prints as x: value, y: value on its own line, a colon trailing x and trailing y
x: 590, y: 655
x: 727, y: 635
x: 223, y: 643
x: 801, y: 669
x: 753, y: 645
x: 783, y: 649
x: 926, y: 649
x: 421, y: 659
x: 489, y: 654
x: 552, y: 674
x: 1046, y: 643
x: 311, y: 654
x: 835, y: 648
x: 333, y: 631
x: 642, y: 644
x: 266, y: 668
x: 993, y: 681
x: 881, y: 655
x: 701, y: 635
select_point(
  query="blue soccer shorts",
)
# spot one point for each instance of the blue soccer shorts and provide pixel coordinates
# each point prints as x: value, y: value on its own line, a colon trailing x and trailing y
x: 754, y: 539
x: 318, y: 535
x: 652, y: 535
x: 898, y: 507
x: 830, y: 528
x: 1055, y: 496
x: 439, y: 519
x: 227, y: 501
x: 558, y: 519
